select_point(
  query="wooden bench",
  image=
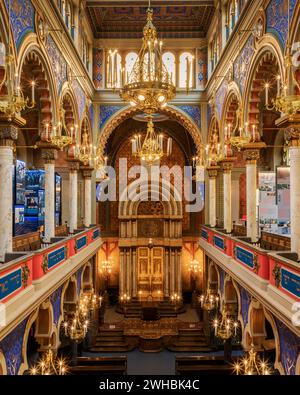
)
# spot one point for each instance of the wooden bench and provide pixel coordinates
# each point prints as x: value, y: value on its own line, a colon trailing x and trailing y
x: 98, y: 365
x: 203, y: 365
x: 28, y: 242
x: 62, y: 230
x: 274, y: 242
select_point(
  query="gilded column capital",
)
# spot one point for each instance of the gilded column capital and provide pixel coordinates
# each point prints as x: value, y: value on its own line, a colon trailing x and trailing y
x: 87, y: 171
x: 252, y: 151
x: 213, y: 171
x: 291, y: 126
x: 227, y: 164
x: 49, y: 155
x: 9, y: 130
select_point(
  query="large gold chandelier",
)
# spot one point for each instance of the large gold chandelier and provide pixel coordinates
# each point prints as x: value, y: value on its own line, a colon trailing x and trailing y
x: 152, y: 148
x: 149, y: 86
x: 59, y: 134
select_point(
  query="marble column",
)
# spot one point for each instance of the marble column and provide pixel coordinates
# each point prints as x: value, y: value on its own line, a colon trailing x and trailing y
x: 73, y: 195
x: 212, y: 195
x: 295, y: 195
x: 49, y: 155
x: 6, y: 198
x: 227, y: 165
x: 252, y: 155
x: 87, y: 200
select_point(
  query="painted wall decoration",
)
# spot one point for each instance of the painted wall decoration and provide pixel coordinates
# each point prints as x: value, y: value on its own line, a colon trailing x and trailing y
x: 22, y: 17
x: 80, y: 97
x: 220, y: 96
x: 91, y: 114
x: 11, y: 347
x: 277, y: 19
x: 242, y: 63
x: 202, y: 55
x: 98, y: 77
x: 78, y: 279
x: 55, y: 300
x: 245, y: 302
x: 106, y: 112
x: 193, y: 112
x: 222, y: 278
x: 59, y: 65
x: 289, y: 347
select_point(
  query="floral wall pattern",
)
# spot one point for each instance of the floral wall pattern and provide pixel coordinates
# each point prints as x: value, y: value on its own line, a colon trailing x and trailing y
x: 245, y: 303
x: 278, y: 20
x: 80, y: 98
x: 202, y: 55
x: 11, y: 347
x: 106, y: 112
x: 58, y: 63
x: 289, y: 347
x: 242, y: 63
x: 55, y: 300
x: 193, y: 112
x: 22, y: 15
x: 78, y: 278
x: 220, y: 96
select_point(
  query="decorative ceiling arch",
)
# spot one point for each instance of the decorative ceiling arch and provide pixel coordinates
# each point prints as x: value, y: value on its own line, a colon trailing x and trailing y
x: 232, y: 102
x: 128, y: 112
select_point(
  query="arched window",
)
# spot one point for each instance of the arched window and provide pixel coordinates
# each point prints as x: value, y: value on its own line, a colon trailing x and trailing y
x: 114, y: 67
x: 169, y: 61
x: 130, y: 60
x: 183, y: 66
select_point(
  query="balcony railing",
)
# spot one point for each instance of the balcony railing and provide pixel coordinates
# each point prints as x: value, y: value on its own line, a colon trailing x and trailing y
x: 21, y: 269
x: 280, y: 269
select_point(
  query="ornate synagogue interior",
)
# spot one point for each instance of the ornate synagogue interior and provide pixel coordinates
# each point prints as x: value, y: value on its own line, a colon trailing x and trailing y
x: 150, y: 194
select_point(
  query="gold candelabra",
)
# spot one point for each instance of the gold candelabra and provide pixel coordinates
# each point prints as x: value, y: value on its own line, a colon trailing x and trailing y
x: 226, y: 327
x: 50, y: 364
x: 252, y: 365
x: 86, y: 152
x: 13, y: 101
x: 209, y: 301
x: 59, y: 134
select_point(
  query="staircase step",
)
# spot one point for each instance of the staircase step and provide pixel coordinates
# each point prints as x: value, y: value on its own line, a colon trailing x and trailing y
x: 190, y: 344
x: 190, y: 349
x: 102, y: 343
x: 108, y: 349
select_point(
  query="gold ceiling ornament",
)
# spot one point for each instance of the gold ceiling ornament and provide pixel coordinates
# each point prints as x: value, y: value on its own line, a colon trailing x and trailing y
x: 59, y: 134
x: 152, y: 148
x: 149, y: 86
x: 13, y: 101
x: 49, y: 365
x: 252, y: 365
x: 287, y: 102
x: 226, y: 327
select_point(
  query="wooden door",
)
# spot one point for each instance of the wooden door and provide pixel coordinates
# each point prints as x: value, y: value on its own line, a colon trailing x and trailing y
x: 150, y: 273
